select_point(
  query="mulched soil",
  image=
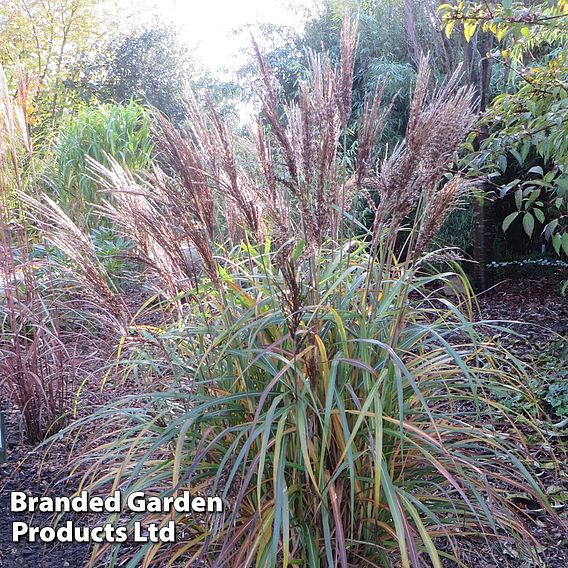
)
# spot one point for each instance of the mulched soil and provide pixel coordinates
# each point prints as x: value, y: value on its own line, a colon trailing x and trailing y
x: 534, y: 301
x: 537, y: 302
x: 20, y: 473
x: 42, y: 472
x: 540, y: 314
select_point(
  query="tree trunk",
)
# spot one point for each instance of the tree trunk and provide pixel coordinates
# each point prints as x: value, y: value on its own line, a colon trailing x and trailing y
x: 478, y: 71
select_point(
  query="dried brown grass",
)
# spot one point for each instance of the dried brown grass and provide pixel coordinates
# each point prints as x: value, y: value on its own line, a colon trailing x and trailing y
x: 283, y: 178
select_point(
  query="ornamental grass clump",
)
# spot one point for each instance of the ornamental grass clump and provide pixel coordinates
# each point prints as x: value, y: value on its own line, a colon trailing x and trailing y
x: 315, y: 378
x: 35, y: 365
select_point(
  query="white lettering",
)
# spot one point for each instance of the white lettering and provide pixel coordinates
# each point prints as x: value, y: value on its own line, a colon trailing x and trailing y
x: 18, y: 501
x: 136, y: 502
x: 18, y: 529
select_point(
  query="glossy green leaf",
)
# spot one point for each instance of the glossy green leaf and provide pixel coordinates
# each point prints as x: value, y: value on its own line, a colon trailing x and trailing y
x: 528, y: 224
x: 509, y: 219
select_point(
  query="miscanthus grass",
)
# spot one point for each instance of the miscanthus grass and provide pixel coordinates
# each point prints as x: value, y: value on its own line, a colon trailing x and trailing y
x: 314, y: 377
x: 36, y: 366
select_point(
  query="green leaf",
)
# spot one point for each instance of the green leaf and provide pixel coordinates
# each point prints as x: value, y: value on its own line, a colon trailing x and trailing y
x: 298, y: 250
x: 526, y: 33
x: 557, y: 243
x: 549, y: 229
x: 517, y: 155
x: 525, y: 149
x: 562, y: 183
x: 565, y: 243
x: 539, y: 215
x: 449, y: 27
x: 534, y: 194
x: 469, y: 29
x: 536, y: 170
x: 528, y: 224
x: 508, y: 220
x: 519, y: 198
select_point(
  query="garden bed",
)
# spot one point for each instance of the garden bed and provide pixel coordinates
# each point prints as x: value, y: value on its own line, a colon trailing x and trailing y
x: 534, y: 301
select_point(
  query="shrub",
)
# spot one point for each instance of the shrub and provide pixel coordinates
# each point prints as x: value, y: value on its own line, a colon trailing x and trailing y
x: 113, y: 250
